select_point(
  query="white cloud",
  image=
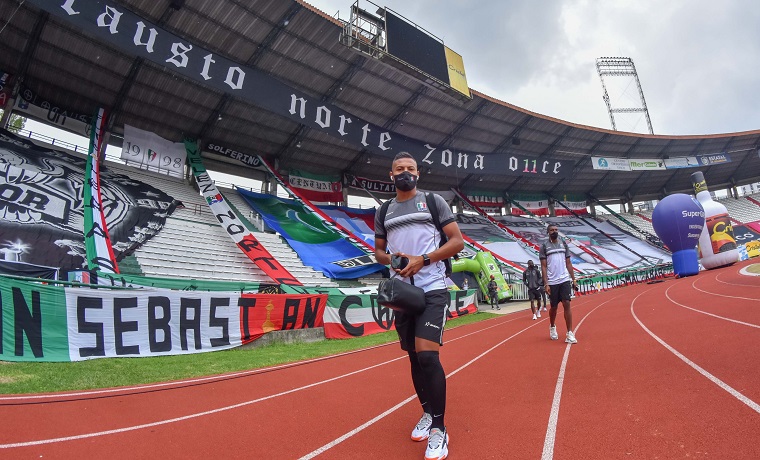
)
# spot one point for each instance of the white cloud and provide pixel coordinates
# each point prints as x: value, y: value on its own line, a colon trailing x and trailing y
x: 698, y: 60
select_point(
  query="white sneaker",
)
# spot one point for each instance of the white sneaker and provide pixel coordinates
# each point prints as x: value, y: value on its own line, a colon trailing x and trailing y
x: 534, y: 316
x: 538, y: 313
x: 438, y: 445
x: 553, y: 333
x: 570, y: 337
x: 544, y: 309
x: 422, y: 430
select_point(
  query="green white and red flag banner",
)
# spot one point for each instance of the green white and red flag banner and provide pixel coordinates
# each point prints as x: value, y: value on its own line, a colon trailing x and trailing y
x: 538, y: 206
x: 47, y: 323
x: 100, y: 255
x: 575, y: 203
x: 231, y: 224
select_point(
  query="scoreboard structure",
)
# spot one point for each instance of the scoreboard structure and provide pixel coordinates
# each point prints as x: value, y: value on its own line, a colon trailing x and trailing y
x: 396, y: 41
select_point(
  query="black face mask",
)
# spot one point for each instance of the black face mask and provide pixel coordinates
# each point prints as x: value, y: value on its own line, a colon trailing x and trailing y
x: 553, y: 235
x: 405, y: 181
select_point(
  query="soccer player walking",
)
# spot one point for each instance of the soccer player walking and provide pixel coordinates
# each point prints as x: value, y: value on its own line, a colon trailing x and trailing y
x: 559, y: 280
x: 408, y: 230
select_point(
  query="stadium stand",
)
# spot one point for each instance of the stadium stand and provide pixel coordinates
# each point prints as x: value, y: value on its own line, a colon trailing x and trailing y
x: 193, y: 245
x: 742, y: 209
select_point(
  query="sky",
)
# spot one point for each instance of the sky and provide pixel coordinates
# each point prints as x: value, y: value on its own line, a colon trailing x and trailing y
x: 698, y: 61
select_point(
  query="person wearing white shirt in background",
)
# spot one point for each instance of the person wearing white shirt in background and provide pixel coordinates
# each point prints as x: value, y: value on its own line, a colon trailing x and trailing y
x: 559, y: 280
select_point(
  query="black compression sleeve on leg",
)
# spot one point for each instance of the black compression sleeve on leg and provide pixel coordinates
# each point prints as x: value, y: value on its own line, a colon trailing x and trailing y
x: 435, y: 385
x: 418, y: 380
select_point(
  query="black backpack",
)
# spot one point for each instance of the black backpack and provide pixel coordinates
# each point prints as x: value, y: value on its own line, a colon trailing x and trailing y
x: 430, y: 199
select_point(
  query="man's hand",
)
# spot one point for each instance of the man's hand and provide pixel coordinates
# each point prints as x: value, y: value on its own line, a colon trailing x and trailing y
x: 547, y: 289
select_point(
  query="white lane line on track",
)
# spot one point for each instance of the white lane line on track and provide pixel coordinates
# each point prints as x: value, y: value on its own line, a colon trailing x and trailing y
x: 551, y: 429
x: 139, y: 389
x: 178, y: 383
x: 741, y: 272
x: 745, y: 400
x: 226, y: 408
x: 191, y: 416
x: 667, y: 294
x: 362, y: 427
x: 694, y: 285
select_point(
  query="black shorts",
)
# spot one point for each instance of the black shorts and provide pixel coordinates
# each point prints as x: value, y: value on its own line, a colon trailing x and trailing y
x: 428, y: 325
x: 535, y: 294
x: 560, y: 292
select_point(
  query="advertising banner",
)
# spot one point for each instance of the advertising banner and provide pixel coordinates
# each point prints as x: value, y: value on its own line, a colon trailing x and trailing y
x: 646, y: 164
x: 681, y: 162
x: 610, y: 164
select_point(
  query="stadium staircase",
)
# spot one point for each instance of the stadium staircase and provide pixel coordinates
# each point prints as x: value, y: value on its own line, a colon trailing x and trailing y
x: 192, y: 244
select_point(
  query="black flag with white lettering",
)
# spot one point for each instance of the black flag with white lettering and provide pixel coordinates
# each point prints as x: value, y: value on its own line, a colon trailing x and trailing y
x: 42, y: 206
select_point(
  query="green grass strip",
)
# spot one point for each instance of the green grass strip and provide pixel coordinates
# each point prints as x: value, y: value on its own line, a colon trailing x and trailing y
x: 25, y: 377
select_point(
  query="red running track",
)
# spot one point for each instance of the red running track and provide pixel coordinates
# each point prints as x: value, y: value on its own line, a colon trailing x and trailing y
x: 665, y: 371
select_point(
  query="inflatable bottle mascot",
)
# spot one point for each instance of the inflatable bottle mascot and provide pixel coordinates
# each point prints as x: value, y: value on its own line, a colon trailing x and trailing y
x: 717, y: 246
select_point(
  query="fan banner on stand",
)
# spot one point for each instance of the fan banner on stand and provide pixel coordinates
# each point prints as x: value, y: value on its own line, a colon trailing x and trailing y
x: 576, y: 203
x: 46, y: 323
x: 318, y: 246
x: 369, y: 185
x: 536, y: 204
x: 42, y: 206
x: 354, y: 315
x: 232, y: 225
x: 100, y: 256
x: 35, y: 106
x: 361, y: 222
x: 484, y: 233
x: 149, y: 151
x: 320, y: 189
x: 192, y: 61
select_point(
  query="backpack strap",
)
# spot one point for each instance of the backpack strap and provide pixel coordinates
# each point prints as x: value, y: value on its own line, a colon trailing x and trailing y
x: 433, y: 208
x: 383, y: 210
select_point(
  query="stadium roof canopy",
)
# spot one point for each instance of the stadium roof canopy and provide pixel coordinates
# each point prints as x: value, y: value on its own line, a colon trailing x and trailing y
x: 296, y: 44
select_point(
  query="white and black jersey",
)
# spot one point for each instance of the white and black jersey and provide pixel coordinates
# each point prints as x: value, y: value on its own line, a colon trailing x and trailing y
x: 556, y: 255
x: 409, y: 228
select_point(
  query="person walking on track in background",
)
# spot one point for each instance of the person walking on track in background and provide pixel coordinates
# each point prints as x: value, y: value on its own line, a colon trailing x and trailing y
x: 493, y: 293
x: 559, y: 279
x: 533, y: 280
x: 408, y: 230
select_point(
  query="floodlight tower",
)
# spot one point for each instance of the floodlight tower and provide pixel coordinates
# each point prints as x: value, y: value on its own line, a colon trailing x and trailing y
x: 621, y: 67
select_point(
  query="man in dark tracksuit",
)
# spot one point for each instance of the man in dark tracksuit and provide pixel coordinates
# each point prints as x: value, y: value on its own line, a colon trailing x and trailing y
x: 534, y: 281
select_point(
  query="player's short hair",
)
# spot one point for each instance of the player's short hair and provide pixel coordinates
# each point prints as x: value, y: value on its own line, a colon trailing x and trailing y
x: 401, y: 155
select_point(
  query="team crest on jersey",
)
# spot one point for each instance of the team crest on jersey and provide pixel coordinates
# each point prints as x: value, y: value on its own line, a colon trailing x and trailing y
x: 422, y: 206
